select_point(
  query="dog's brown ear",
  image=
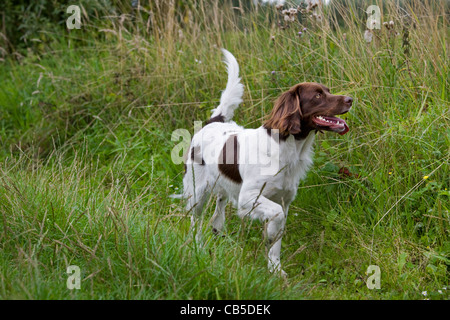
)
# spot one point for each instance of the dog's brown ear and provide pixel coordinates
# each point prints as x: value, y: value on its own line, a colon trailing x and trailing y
x: 286, y: 115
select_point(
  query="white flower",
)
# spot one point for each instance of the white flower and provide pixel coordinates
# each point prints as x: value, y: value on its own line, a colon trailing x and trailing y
x: 368, y: 35
x: 292, y: 11
x: 424, y: 293
x: 440, y: 291
x: 391, y: 23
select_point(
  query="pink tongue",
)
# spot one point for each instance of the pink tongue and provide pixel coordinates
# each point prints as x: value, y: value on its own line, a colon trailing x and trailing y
x: 345, y: 130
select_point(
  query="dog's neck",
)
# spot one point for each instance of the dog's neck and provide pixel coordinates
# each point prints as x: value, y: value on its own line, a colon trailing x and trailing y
x: 298, y: 137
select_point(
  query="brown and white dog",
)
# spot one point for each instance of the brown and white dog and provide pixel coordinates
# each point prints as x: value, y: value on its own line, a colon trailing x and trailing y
x: 258, y: 170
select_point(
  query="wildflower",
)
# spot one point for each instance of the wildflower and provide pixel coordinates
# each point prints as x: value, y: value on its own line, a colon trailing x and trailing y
x: 279, y: 6
x: 272, y: 38
x: 424, y: 293
x: 390, y: 172
x: 389, y: 25
x: 273, y: 72
x: 292, y: 11
x: 311, y: 4
x: 368, y: 35
x: 425, y: 177
x: 304, y: 29
x: 440, y: 291
x: 299, y: 33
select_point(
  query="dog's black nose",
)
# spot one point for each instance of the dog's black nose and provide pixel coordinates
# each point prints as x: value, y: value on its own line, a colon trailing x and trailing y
x: 348, y: 100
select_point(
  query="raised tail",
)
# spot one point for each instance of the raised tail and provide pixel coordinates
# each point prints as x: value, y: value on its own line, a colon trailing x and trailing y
x: 232, y: 95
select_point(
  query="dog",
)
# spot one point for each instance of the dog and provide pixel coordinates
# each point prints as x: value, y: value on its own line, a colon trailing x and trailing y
x: 258, y: 170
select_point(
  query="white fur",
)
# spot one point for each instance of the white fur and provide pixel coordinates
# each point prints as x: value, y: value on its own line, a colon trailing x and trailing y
x: 261, y: 196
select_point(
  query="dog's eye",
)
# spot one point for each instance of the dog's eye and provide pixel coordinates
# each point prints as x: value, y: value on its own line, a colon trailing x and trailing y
x: 318, y: 96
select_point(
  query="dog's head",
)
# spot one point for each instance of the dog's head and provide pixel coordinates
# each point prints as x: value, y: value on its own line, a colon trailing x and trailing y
x: 308, y: 106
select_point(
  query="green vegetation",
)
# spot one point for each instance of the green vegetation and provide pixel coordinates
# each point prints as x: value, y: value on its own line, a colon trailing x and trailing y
x: 86, y: 117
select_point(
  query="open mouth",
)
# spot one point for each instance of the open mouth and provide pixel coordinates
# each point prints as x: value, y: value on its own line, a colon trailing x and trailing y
x: 334, y: 124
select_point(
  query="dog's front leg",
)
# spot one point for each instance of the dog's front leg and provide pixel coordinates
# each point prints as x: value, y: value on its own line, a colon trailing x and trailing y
x: 254, y: 205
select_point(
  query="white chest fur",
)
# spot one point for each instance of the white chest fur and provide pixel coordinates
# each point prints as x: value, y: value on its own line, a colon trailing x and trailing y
x: 296, y: 157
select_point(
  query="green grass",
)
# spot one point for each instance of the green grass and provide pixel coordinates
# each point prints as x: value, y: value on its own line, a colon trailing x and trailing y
x: 85, y: 171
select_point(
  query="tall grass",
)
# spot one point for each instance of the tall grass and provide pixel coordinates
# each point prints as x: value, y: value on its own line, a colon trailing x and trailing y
x: 86, y: 171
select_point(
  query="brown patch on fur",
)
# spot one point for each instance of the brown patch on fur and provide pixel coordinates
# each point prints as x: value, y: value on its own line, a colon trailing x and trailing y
x: 228, y: 160
x: 218, y: 118
x: 196, y: 156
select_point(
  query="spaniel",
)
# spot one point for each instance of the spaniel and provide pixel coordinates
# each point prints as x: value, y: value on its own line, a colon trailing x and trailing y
x: 258, y: 170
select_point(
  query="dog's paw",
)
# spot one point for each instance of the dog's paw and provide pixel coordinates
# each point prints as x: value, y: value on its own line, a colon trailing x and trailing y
x: 275, y: 268
x: 281, y: 273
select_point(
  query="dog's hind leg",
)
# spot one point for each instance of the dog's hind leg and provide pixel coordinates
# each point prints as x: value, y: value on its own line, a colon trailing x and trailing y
x: 195, y: 192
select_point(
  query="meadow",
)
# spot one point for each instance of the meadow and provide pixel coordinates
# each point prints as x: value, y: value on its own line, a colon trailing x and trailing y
x: 86, y: 123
